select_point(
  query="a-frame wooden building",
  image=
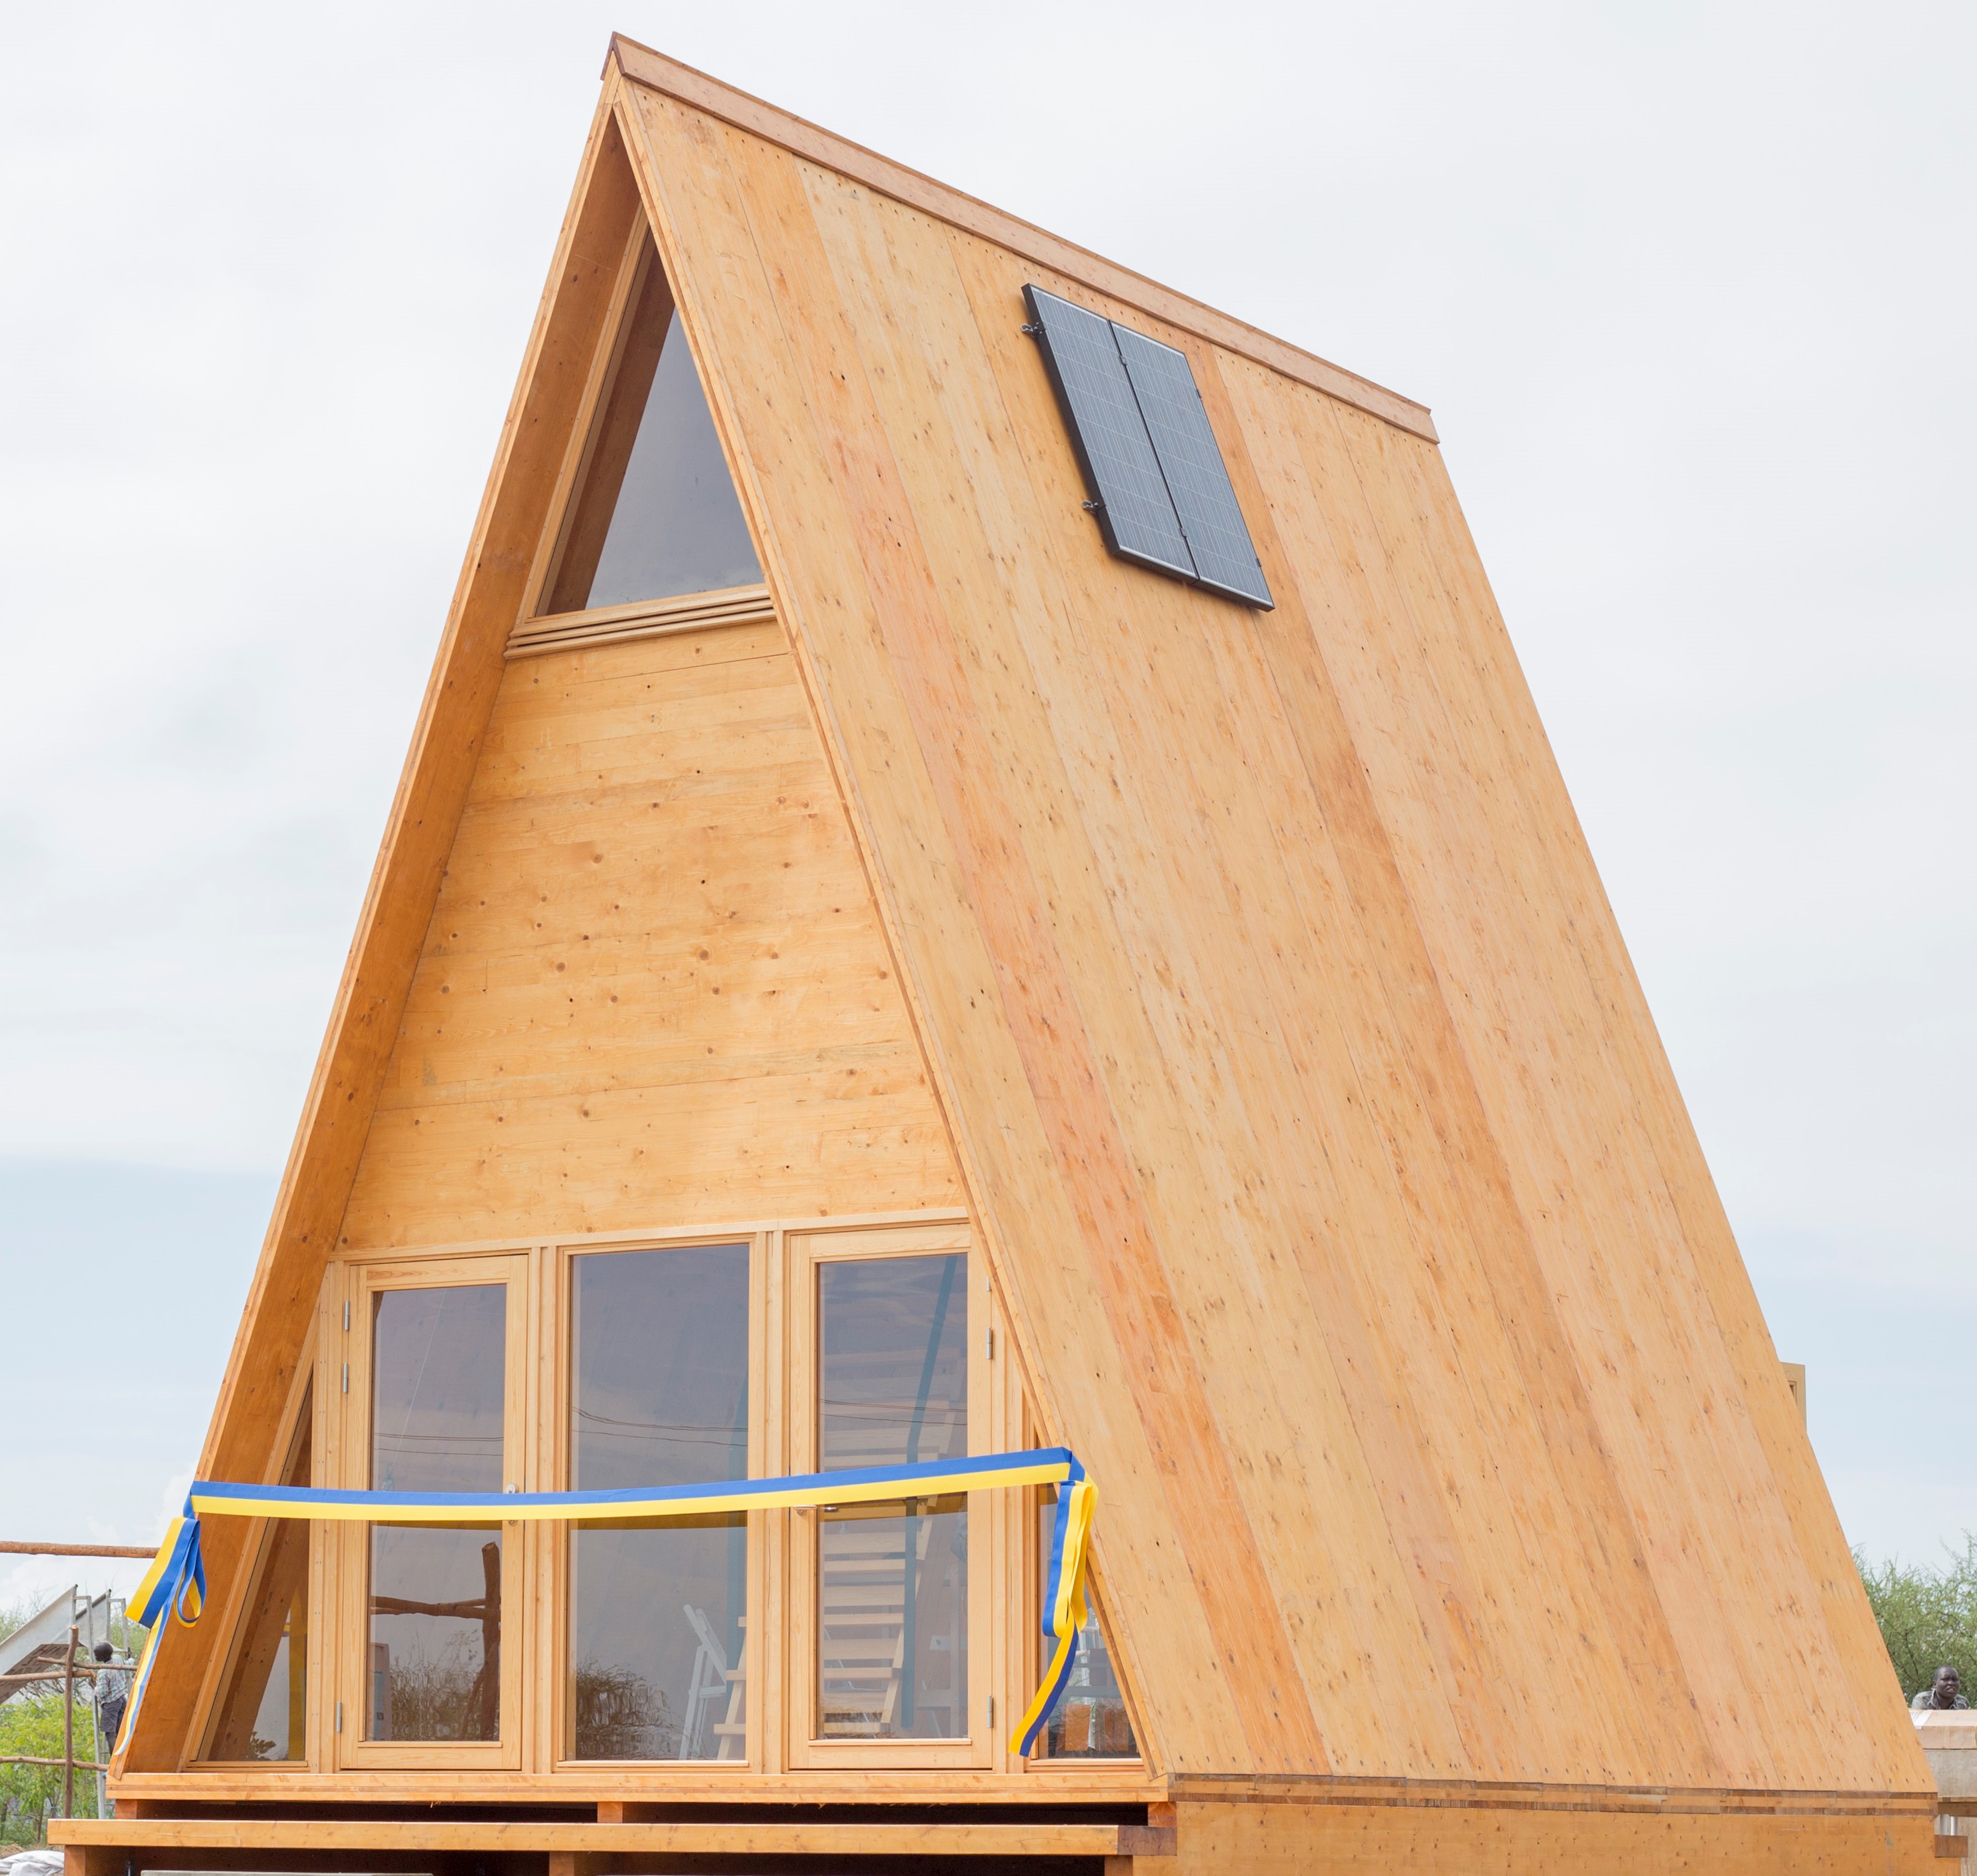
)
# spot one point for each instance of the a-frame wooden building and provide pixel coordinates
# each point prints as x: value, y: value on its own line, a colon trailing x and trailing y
x: 901, y: 936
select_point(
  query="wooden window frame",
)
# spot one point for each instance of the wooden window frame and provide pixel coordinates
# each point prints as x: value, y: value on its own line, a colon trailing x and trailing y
x: 784, y: 1256
x: 576, y: 454
x: 551, y: 1588
x: 536, y: 630
x: 519, y: 1272
x: 806, y: 1253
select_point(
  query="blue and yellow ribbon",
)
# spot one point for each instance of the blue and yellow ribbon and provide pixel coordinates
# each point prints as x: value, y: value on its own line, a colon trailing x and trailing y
x: 1063, y: 1601
x: 174, y: 1587
x: 855, y: 1486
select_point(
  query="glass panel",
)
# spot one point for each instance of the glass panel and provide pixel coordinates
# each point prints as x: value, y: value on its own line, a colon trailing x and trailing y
x: 439, y: 1360
x: 893, y: 1579
x: 654, y: 513
x: 1091, y: 1721
x: 261, y: 1714
x: 659, y: 1352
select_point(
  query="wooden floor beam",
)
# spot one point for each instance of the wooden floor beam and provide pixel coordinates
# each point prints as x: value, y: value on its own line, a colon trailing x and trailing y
x: 572, y: 1849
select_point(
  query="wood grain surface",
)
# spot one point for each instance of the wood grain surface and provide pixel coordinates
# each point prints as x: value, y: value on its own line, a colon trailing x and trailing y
x: 1289, y: 1839
x: 653, y: 990
x: 1351, y: 1222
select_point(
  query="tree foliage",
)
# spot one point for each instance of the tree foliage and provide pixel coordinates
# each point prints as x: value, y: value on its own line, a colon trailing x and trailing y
x: 31, y: 1723
x: 1927, y: 1616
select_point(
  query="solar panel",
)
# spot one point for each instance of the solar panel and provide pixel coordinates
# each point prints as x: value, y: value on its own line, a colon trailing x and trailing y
x: 1225, y: 559
x: 1135, y: 512
x: 1161, y: 493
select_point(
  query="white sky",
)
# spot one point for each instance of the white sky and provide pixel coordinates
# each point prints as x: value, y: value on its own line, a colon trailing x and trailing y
x: 1688, y: 287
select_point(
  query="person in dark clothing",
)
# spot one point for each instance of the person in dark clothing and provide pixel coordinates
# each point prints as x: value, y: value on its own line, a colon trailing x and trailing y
x: 1941, y: 1694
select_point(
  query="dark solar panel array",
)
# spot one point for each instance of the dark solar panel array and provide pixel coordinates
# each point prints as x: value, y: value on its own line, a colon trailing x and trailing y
x: 1135, y: 511
x: 1197, y: 480
x: 1161, y: 490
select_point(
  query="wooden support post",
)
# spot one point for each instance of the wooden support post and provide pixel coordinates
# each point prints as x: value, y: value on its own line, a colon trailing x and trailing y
x: 68, y: 1724
x: 576, y: 1862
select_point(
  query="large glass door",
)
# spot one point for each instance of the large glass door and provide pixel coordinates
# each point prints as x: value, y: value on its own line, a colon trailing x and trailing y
x: 432, y: 1654
x: 891, y: 1616
x: 657, y: 1654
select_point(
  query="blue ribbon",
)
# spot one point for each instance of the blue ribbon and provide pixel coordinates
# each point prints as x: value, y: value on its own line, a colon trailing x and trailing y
x: 173, y: 1588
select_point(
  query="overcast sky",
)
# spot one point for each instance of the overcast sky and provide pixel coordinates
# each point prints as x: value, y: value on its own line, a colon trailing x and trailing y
x: 1689, y: 289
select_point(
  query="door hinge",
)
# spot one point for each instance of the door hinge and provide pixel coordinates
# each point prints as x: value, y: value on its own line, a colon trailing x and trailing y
x: 992, y: 1712
x: 346, y: 1318
x: 339, y: 1715
x: 988, y: 1344
x: 346, y: 1377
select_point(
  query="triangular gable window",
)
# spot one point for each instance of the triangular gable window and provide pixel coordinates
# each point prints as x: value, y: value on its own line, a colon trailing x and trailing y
x: 1091, y: 1720
x: 260, y: 1715
x: 654, y: 513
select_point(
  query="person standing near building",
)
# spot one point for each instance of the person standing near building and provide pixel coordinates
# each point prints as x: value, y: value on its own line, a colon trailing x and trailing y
x: 112, y: 1694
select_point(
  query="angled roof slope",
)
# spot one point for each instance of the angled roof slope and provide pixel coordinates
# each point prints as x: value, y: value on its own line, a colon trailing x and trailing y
x: 1349, y: 1216
x: 1356, y: 1232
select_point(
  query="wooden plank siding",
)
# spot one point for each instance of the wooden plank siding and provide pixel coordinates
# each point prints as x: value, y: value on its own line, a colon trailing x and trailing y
x: 1285, y: 1839
x: 1349, y: 1220
x: 653, y: 993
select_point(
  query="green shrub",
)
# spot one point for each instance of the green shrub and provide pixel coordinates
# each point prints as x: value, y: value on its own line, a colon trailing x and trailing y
x: 31, y: 1723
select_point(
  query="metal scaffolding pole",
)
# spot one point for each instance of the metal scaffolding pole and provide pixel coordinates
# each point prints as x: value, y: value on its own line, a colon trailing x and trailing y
x: 68, y: 1724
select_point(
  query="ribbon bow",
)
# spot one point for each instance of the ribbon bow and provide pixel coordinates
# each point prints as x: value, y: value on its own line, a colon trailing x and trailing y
x: 173, y: 1588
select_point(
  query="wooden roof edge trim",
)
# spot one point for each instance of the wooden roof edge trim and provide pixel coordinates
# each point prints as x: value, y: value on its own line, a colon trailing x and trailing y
x: 642, y: 65
x: 410, y: 821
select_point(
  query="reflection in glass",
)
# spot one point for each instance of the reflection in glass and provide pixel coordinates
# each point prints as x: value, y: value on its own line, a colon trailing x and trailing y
x: 260, y: 1715
x: 659, y: 1352
x: 654, y: 513
x: 439, y: 1374
x: 893, y: 1579
x: 1091, y: 1721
